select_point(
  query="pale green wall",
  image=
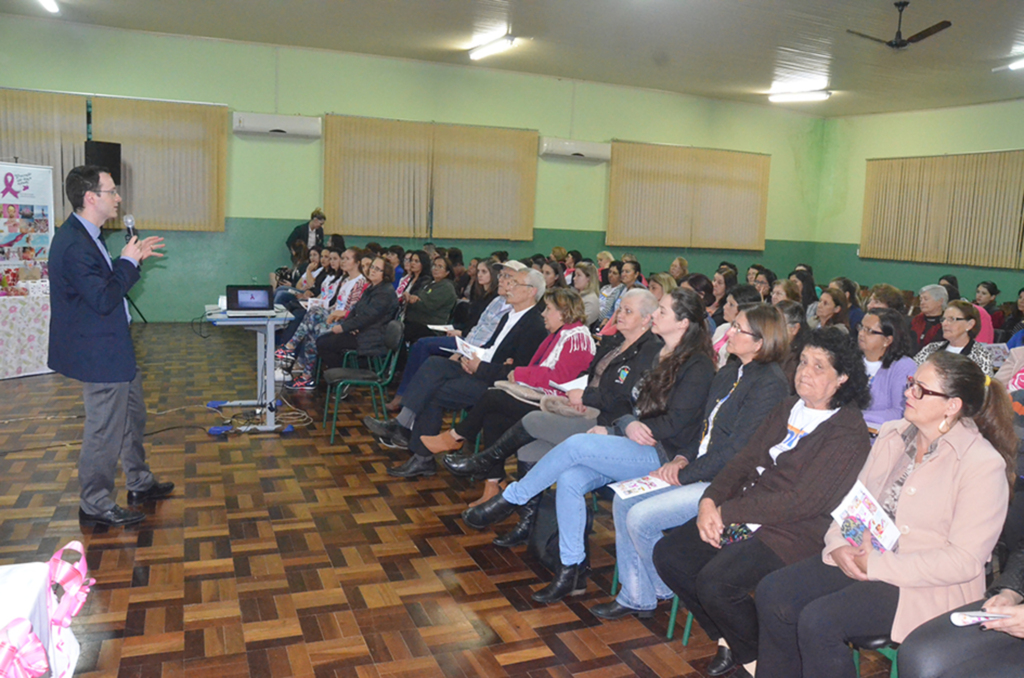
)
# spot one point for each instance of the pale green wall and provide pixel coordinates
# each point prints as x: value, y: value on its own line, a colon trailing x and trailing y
x: 817, y: 172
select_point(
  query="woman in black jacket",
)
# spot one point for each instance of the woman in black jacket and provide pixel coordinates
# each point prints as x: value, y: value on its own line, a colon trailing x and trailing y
x: 363, y: 329
x: 744, y: 391
x: 666, y: 421
x: 617, y: 368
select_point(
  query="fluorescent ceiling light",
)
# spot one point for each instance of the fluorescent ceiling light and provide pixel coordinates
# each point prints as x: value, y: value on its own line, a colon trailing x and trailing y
x: 1016, y: 65
x: 500, y: 45
x: 794, y: 97
x: 50, y: 6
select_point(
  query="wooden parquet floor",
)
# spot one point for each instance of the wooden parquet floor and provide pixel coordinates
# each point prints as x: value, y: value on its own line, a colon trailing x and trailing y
x: 283, y: 556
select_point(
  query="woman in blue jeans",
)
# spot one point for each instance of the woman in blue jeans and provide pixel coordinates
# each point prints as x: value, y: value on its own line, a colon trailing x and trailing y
x: 743, y: 392
x: 668, y: 414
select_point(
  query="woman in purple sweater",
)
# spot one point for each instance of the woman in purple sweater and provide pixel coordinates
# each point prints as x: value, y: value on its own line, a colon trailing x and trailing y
x: 887, y: 343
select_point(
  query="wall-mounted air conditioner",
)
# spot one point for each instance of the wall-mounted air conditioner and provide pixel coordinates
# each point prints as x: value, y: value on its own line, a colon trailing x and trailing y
x: 293, y: 126
x: 570, y: 148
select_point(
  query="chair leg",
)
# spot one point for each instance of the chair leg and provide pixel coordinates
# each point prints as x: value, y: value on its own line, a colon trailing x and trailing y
x: 615, y: 580
x: 856, y: 661
x: 327, y: 404
x: 334, y: 421
x: 593, y: 500
x: 672, y: 618
x: 689, y: 627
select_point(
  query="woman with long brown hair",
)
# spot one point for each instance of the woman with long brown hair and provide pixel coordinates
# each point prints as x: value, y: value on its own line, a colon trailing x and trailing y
x: 667, y: 417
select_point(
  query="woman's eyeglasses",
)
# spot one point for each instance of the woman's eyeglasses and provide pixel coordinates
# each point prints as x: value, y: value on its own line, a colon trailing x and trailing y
x: 919, y: 391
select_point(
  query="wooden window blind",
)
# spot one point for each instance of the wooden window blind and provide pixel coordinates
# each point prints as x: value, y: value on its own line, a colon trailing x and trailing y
x: 674, y: 196
x: 956, y: 209
x: 44, y: 128
x: 376, y: 177
x: 420, y: 180
x: 173, y: 157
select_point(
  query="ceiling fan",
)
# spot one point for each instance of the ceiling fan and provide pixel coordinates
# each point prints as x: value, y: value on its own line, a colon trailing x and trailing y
x: 899, y: 42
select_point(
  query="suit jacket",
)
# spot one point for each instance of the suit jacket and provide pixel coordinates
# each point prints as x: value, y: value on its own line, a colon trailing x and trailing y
x: 89, y: 337
x: 301, y: 232
x: 520, y: 344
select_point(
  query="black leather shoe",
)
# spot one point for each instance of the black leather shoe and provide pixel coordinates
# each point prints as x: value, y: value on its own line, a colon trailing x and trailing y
x: 569, y: 581
x: 520, y: 534
x: 418, y: 465
x: 114, y: 517
x: 722, y: 663
x: 155, y: 491
x: 482, y: 466
x: 613, y: 610
x: 494, y: 510
x: 381, y: 427
x: 392, y: 443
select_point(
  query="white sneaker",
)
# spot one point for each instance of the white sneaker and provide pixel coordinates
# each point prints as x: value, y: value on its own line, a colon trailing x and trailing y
x: 282, y: 375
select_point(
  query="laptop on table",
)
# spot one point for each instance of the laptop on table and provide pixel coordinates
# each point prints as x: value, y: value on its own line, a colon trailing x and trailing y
x: 250, y: 301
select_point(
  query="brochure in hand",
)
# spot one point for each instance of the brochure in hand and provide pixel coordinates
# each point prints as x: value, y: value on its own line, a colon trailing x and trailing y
x: 631, y: 488
x: 860, y: 516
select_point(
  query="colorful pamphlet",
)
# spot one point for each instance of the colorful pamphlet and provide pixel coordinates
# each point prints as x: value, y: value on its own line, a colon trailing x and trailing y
x: 631, y: 488
x: 860, y: 517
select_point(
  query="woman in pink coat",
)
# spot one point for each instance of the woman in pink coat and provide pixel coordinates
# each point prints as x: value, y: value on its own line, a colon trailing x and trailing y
x: 943, y: 475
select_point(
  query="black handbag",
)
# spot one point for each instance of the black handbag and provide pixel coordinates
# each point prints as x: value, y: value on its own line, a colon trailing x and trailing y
x: 543, y: 544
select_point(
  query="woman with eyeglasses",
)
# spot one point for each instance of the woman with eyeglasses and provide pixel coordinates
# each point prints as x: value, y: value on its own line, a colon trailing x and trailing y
x: 432, y: 303
x: 960, y: 325
x: 888, y: 347
x: 742, y: 394
x: 943, y: 474
x: 764, y: 282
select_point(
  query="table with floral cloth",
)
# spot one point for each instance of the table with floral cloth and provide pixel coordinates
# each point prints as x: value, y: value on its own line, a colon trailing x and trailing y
x: 24, y: 335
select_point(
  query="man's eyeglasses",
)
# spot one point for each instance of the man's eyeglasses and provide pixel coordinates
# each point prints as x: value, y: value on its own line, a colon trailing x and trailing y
x: 919, y: 391
x: 112, y: 191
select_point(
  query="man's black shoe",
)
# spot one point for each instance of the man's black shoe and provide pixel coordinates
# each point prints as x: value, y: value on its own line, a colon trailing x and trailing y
x: 114, y: 517
x: 155, y: 491
x: 722, y: 663
x: 383, y: 428
x: 418, y: 465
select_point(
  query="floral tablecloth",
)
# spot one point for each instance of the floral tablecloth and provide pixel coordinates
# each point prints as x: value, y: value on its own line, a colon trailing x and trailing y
x: 24, y: 335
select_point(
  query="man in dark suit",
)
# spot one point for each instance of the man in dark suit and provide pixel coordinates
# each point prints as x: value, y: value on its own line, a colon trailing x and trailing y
x: 443, y: 384
x: 312, y: 232
x: 90, y: 342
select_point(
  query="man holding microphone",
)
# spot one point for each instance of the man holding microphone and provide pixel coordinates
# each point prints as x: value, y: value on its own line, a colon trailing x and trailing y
x: 90, y: 342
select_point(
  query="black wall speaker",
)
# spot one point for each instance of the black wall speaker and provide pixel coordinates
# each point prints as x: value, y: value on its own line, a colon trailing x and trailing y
x: 105, y: 154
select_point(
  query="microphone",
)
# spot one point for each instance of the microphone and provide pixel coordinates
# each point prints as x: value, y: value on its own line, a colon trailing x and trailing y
x: 129, y: 225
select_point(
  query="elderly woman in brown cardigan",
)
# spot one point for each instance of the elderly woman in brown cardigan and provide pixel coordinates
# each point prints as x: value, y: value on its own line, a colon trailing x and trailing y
x: 769, y: 507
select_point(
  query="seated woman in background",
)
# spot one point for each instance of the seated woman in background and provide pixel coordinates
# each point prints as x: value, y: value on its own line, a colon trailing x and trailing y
x: 884, y: 295
x: 765, y: 282
x: 742, y: 394
x: 943, y: 474
x: 661, y: 284
x: 770, y: 506
x: 679, y: 269
x: 669, y: 414
x: 554, y: 274
x: 324, y: 291
x: 739, y: 297
x: 804, y: 281
x: 611, y: 291
x: 702, y: 285
x: 985, y: 296
x: 851, y: 291
x: 603, y: 259
x: 1013, y: 324
x: 884, y: 339
x: 786, y: 289
x: 621, y: 362
x: 431, y: 303
x: 927, y: 325
x: 361, y: 330
x: 831, y: 310
x: 630, y: 281
x: 585, y: 280
x: 959, y: 328
x: 722, y: 281
x: 286, y: 279
x: 490, y: 276
x: 796, y: 325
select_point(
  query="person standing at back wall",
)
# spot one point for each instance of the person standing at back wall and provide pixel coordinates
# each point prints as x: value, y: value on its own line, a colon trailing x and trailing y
x: 90, y: 342
x: 312, y: 232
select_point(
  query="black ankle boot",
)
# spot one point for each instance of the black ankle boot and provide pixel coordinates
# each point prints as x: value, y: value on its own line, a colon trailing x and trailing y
x: 479, y: 466
x: 527, y: 516
x: 494, y: 510
x: 569, y: 580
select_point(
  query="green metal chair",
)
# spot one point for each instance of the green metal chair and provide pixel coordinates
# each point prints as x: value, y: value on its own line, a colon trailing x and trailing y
x: 377, y: 379
x: 880, y: 644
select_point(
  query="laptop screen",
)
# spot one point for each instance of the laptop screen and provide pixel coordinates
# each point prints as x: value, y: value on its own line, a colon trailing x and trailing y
x: 250, y: 298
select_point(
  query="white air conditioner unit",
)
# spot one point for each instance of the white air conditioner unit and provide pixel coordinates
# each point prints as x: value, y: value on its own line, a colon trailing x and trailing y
x: 295, y: 126
x: 570, y: 148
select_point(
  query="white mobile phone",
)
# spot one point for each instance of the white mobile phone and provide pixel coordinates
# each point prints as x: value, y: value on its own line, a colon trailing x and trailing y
x: 971, y: 618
